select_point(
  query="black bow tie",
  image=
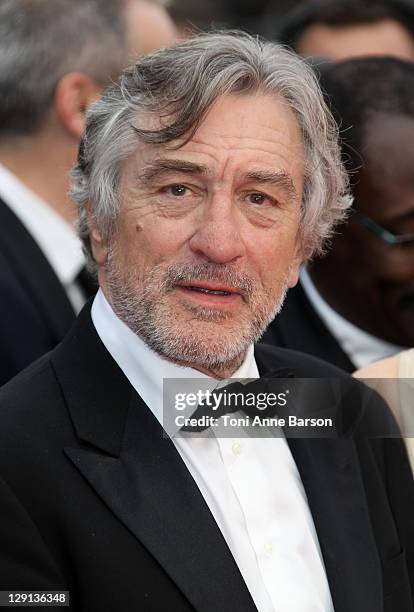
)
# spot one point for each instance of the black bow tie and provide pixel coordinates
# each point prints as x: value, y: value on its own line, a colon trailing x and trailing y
x: 264, y: 384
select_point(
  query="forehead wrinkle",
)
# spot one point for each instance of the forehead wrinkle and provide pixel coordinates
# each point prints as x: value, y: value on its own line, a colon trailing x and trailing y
x: 250, y: 142
x: 279, y: 158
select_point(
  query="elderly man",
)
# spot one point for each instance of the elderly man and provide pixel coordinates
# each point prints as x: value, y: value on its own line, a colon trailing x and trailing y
x: 56, y: 57
x: 356, y: 305
x: 204, y: 178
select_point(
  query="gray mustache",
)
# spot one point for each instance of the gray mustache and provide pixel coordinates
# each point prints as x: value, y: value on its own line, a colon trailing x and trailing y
x: 208, y: 272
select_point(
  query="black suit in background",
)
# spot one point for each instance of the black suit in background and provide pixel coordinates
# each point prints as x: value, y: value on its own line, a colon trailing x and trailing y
x: 35, y: 312
x: 95, y: 500
x: 299, y: 327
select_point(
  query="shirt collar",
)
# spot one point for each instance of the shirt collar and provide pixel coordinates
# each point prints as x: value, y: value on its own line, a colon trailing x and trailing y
x: 361, y: 347
x: 55, y: 236
x: 144, y: 368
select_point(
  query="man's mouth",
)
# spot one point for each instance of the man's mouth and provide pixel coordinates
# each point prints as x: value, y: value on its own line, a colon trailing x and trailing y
x: 208, y: 291
x: 210, y: 288
x: 209, y: 284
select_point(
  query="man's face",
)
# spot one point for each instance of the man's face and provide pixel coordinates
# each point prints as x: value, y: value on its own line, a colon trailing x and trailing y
x: 376, y: 280
x: 206, y: 242
x: 383, y: 37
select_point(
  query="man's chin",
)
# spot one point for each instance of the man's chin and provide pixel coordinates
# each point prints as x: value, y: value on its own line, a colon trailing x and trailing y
x: 204, y: 346
x: 206, y: 337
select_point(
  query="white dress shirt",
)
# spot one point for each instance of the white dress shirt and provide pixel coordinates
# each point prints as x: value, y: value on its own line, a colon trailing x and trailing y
x: 361, y: 347
x: 251, y: 485
x: 55, y: 237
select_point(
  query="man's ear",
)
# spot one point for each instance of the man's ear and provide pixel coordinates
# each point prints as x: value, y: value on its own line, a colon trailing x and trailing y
x: 99, y: 247
x: 73, y: 94
x: 295, y: 265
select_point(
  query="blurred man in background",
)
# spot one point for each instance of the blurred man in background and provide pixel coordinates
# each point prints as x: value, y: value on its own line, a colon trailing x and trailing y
x: 356, y: 304
x: 342, y: 29
x: 56, y: 56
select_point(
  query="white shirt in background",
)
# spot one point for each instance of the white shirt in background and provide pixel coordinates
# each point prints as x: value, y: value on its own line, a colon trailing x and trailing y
x: 55, y: 236
x: 361, y: 347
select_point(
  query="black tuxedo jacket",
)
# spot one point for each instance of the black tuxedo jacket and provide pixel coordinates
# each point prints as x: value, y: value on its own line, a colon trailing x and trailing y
x: 299, y: 327
x: 94, y: 500
x: 35, y: 312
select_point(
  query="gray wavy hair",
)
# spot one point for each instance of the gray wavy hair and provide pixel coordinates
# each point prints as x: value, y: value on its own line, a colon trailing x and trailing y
x: 179, y: 85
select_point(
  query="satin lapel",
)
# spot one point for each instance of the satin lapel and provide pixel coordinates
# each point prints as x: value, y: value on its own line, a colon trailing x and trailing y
x: 141, y: 477
x: 37, y: 276
x: 151, y: 491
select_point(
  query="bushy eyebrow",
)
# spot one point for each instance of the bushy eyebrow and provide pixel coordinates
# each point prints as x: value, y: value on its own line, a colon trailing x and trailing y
x: 277, y: 179
x: 157, y: 168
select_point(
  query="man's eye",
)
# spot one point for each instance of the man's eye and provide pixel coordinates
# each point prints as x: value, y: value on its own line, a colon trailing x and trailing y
x: 177, y: 190
x: 257, y: 198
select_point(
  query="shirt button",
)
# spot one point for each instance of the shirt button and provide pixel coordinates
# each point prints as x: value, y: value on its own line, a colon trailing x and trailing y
x: 236, y: 448
x: 268, y: 548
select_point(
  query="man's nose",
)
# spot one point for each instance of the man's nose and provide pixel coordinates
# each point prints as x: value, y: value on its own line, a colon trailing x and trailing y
x: 218, y: 234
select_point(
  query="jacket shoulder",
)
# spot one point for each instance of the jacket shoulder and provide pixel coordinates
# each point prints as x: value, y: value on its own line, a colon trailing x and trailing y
x: 301, y: 364
x: 28, y: 398
x: 362, y: 411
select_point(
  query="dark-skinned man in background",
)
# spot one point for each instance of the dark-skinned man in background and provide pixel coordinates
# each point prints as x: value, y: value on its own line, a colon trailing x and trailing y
x: 355, y: 305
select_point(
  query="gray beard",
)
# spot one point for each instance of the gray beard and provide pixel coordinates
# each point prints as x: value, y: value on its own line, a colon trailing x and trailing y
x: 151, y: 317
